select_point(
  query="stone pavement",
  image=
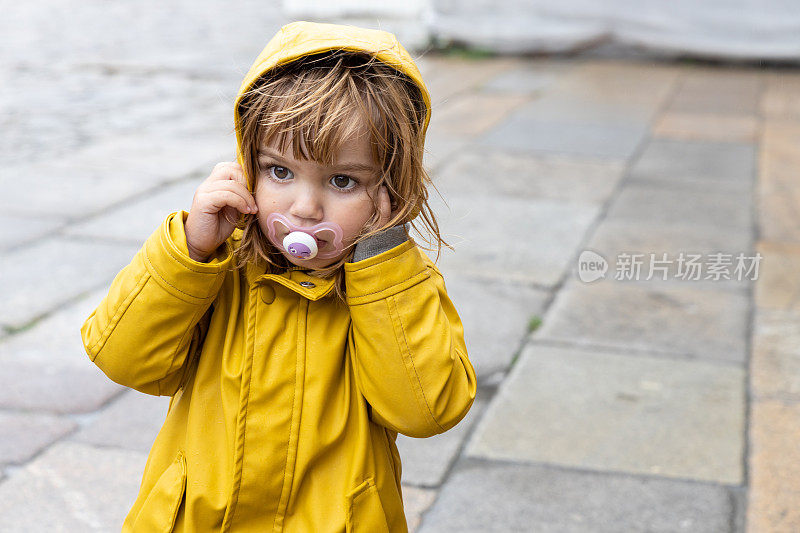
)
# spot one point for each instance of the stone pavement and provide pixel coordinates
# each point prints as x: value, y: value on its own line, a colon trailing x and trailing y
x: 659, y: 404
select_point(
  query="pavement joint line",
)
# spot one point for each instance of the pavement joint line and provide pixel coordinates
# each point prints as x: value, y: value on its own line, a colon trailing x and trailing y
x: 737, y: 497
x: 10, y: 470
x: 15, y: 330
x: 470, y: 462
x: 631, y: 351
x: 544, y: 154
x: 482, y: 384
x: 125, y: 202
x: 161, y: 186
x: 602, y: 213
x: 65, y: 437
x: 751, y: 304
x: 72, y: 415
x: 110, y: 447
x: 148, y: 70
x: 458, y: 456
x: 85, y: 419
x: 104, y: 239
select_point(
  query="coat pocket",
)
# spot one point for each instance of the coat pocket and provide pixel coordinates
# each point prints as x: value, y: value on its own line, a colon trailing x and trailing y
x: 160, y: 509
x: 364, y: 510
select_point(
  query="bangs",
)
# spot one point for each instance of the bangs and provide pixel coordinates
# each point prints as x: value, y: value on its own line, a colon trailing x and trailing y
x: 317, y: 106
x: 310, y: 135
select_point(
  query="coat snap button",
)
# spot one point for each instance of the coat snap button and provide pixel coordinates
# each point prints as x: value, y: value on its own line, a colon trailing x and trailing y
x: 267, y: 294
x: 307, y: 284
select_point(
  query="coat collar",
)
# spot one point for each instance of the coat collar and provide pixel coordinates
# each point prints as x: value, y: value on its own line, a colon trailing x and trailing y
x: 294, y: 279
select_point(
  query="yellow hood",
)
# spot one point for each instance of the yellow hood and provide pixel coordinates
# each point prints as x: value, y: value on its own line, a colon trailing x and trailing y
x: 300, y: 39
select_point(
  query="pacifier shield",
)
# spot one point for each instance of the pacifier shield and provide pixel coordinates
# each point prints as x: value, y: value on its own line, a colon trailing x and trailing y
x: 304, y: 242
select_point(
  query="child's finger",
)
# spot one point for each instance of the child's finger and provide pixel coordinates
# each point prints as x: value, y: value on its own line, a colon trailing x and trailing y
x: 228, y: 170
x: 223, y: 198
x: 236, y: 188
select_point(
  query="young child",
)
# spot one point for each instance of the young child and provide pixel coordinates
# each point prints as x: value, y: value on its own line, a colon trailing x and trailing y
x: 296, y: 326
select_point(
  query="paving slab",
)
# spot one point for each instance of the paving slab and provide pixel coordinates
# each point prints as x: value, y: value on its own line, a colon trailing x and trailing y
x: 778, y: 286
x: 605, y: 92
x: 778, y: 192
x: 491, y: 243
x: 660, y: 204
x: 46, y: 366
x: 136, y: 221
x: 529, y: 78
x: 617, y: 142
x: 693, y: 322
x: 51, y: 272
x: 778, y: 156
x: 774, y: 467
x: 720, y: 90
x: 775, y: 361
x: 23, y: 435
x: 781, y: 95
x: 427, y: 461
x: 131, y: 421
x: 715, y: 127
x: 472, y: 113
x: 581, y: 106
x: 495, y: 316
x: 72, y: 487
x: 555, y: 177
x: 504, y: 498
x: 697, y: 165
x: 778, y: 217
x: 447, y: 76
x: 57, y: 387
x: 439, y: 149
x: 685, y: 255
x: 615, y: 412
x: 415, y: 502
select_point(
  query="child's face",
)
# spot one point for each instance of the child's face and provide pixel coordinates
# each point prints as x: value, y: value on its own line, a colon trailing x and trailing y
x: 308, y: 192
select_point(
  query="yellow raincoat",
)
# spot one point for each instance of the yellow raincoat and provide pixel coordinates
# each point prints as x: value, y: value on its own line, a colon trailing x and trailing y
x: 286, y: 403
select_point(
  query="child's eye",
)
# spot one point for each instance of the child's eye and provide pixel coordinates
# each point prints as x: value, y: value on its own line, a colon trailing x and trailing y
x: 343, y: 182
x: 279, y: 173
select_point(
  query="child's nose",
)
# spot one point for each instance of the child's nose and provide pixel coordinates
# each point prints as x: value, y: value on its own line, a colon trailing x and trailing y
x: 307, y: 206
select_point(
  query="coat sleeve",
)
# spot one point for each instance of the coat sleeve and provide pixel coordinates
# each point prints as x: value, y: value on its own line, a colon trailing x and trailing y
x: 407, y: 343
x: 156, y: 312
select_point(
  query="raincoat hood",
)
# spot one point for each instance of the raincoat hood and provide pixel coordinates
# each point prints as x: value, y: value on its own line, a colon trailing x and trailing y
x: 299, y: 39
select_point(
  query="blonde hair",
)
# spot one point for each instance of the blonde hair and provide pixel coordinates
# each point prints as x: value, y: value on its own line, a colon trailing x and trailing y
x: 318, y: 102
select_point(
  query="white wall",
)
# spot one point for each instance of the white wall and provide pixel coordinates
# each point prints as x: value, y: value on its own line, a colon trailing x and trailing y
x: 737, y: 29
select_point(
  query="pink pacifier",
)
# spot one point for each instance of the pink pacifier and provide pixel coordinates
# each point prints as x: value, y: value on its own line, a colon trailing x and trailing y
x: 301, y: 243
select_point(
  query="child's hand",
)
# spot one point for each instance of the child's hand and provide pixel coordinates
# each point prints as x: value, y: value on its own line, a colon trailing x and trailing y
x: 215, y: 209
